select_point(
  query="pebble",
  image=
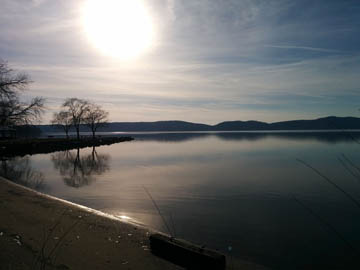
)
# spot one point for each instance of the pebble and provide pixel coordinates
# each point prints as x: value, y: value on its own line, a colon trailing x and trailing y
x: 17, y: 241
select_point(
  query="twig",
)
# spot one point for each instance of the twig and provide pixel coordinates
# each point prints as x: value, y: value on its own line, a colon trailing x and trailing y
x: 355, y: 175
x: 328, y: 225
x: 346, y: 132
x: 158, y: 209
x: 62, y: 238
x: 331, y: 182
x: 172, y: 224
x: 47, y: 238
x: 351, y: 163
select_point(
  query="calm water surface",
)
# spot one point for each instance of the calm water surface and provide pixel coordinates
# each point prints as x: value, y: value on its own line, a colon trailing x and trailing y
x: 242, y: 193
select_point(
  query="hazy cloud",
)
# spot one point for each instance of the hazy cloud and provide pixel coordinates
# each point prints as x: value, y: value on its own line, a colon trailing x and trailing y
x: 212, y: 61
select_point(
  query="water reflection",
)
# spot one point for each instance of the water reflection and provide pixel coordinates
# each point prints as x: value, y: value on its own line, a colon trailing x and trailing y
x: 226, y: 189
x: 19, y: 170
x: 78, y: 170
x: 326, y: 137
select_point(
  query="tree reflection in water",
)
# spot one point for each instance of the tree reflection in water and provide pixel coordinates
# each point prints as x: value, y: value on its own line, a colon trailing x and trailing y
x: 19, y: 170
x: 77, y: 170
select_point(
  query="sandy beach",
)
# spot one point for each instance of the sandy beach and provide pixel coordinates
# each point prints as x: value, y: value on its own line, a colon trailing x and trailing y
x: 38, y: 231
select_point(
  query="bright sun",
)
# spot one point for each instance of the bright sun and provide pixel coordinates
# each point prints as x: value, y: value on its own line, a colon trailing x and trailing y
x: 118, y: 28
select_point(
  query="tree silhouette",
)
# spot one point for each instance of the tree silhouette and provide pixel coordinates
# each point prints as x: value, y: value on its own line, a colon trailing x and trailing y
x: 95, y: 117
x: 62, y: 120
x: 77, y: 108
x: 13, y: 111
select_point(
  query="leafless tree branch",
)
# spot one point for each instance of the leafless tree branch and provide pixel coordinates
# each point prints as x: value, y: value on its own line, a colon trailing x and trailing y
x: 13, y: 111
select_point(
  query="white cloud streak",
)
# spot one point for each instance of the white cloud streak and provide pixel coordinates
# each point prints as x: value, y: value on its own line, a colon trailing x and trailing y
x: 304, y: 48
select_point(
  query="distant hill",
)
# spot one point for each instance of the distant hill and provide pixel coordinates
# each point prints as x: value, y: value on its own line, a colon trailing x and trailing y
x: 241, y: 125
x: 157, y: 126
x: 331, y: 122
x: 326, y: 123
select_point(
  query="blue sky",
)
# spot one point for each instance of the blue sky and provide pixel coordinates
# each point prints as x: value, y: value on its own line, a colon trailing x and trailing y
x: 211, y: 60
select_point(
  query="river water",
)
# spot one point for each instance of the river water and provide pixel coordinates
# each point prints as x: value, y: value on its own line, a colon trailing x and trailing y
x: 288, y: 200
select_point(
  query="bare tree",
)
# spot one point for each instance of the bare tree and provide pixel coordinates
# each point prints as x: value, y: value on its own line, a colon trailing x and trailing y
x: 13, y: 111
x: 11, y: 82
x: 77, y: 108
x: 95, y: 117
x: 63, y: 119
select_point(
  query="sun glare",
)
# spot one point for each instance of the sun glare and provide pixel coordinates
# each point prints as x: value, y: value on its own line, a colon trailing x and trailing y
x: 118, y: 28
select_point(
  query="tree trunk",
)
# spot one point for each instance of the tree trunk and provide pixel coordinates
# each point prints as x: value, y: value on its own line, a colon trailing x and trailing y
x: 78, y: 133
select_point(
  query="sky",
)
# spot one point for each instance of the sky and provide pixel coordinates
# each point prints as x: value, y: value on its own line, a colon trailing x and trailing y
x: 207, y: 61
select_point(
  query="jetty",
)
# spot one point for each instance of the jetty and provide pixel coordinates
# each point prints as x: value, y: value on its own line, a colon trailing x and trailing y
x: 22, y: 147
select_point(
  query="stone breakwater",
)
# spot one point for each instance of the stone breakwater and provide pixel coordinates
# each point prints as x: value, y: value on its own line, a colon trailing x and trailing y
x: 22, y: 147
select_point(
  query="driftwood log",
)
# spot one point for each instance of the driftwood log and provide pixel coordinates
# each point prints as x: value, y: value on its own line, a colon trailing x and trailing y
x: 186, y: 254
